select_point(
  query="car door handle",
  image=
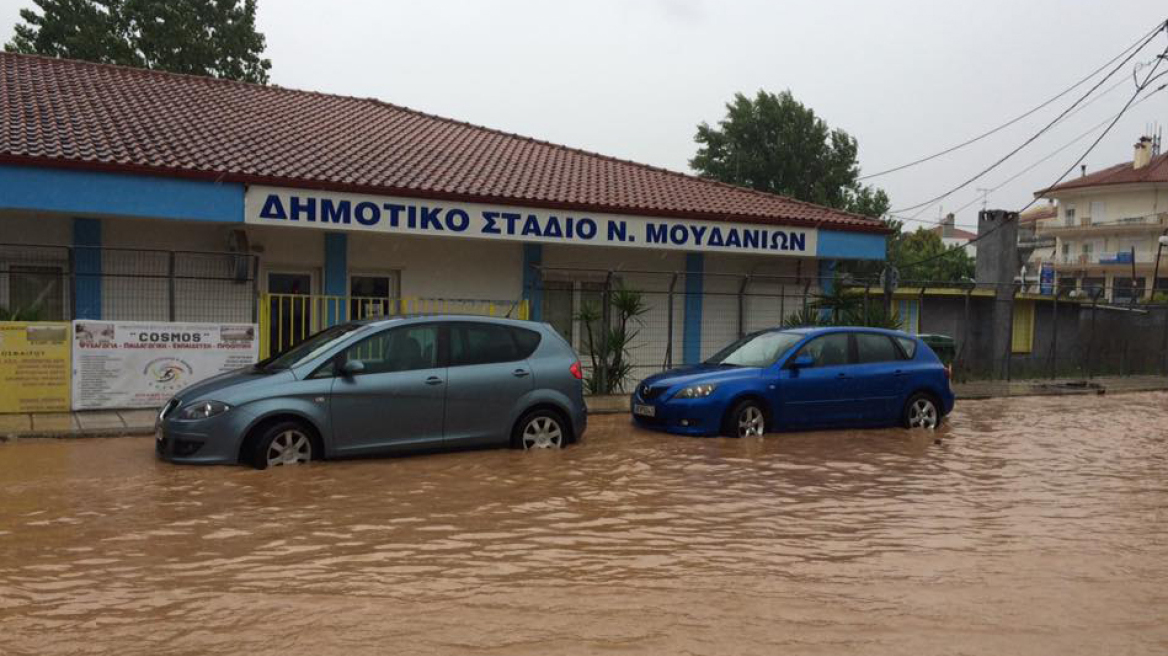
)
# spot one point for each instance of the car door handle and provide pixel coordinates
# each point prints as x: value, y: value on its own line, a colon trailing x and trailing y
x: 842, y: 376
x: 433, y: 380
x: 898, y: 372
x: 520, y: 373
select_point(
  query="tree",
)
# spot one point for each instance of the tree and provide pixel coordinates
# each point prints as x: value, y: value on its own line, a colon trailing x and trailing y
x: 216, y: 38
x: 775, y: 144
x: 905, y: 248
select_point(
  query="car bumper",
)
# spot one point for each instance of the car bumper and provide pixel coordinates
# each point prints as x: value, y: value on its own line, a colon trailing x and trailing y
x: 688, y: 417
x: 213, y: 441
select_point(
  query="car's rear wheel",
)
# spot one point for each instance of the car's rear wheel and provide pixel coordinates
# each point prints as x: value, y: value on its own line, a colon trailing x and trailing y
x: 747, y: 419
x: 921, y: 412
x: 540, y: 429
x: 283, y: 443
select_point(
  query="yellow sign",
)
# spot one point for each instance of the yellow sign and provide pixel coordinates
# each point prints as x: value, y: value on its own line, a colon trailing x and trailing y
x: 34, y: 366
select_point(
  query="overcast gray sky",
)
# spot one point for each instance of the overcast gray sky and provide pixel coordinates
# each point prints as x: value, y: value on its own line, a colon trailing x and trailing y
x: 632, y: 78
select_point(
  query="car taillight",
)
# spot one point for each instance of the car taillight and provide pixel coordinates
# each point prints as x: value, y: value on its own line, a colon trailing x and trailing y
x: 577, y: 372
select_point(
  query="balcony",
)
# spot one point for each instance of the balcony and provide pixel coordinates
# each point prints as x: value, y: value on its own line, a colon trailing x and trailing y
x: 1130, y: 225
x: 1122, y: 257
x: 1110, y: 261
x: 1035, y: 242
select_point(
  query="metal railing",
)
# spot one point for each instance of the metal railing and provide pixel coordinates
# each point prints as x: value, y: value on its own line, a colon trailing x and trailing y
x: 286, y: 319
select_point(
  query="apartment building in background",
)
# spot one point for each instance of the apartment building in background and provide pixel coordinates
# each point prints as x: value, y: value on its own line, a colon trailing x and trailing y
x: 1107, y: 227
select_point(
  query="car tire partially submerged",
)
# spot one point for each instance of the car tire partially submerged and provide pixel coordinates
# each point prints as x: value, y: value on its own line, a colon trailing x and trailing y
x: 747, y: 419
x: 920, y: 411
x: 283, y: 443
x: 540, y: 429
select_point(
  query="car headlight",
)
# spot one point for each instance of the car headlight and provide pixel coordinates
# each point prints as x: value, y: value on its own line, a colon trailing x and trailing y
x: 203, y: 409
x: 696, y: 392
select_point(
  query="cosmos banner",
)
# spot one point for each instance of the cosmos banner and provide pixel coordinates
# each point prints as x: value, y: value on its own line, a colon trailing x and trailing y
x: 131, y: 364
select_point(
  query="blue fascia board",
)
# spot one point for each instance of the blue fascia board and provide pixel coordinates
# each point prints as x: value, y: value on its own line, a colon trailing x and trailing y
x: 836, y: 244
x: 90, y: 193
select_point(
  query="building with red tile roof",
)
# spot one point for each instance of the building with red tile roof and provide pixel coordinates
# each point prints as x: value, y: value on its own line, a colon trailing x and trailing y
x: 1107, y: 227
x: 345, y: 197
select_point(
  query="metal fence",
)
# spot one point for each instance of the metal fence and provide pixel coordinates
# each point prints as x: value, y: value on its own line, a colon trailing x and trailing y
x: 998, y: 332
x: 55, y: 283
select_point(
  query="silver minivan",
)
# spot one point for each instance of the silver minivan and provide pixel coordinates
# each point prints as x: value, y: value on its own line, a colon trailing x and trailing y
x: 384, y: 386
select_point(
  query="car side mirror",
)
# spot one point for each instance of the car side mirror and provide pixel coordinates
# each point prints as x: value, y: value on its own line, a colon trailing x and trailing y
x: 802, y: 362
x: 352, y: 368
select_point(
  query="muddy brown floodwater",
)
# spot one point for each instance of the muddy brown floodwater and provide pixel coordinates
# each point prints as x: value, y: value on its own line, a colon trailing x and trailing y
x: 1037, y: 526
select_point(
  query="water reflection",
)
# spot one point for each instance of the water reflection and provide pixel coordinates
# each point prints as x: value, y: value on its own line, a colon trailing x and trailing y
x: 1035, y: 526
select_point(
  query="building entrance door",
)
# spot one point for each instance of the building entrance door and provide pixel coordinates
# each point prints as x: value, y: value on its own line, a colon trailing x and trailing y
x: 290, y: 308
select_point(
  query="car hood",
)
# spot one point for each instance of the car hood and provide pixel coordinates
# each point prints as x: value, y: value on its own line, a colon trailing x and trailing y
x: 233, y: 386
x: 703, y: 373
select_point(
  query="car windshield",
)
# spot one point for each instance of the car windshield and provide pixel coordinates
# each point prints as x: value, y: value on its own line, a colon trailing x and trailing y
x: 309, y: 348
x: 758, y: 350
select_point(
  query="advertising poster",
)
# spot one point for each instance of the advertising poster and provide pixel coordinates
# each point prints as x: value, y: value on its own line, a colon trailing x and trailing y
x: 132, y: 364
x: 34, y: 367
x: 1046, y: 278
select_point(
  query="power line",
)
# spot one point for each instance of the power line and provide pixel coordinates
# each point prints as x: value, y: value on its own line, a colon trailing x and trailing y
x: 1007, y: 124
x: 1090, y: 91
x: 1139, y: 89
x: 1062, y: 148
x: 1045, y: 159
x: 1061, y: 120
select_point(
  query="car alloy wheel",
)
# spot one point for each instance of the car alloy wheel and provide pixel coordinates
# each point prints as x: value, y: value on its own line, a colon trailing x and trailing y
x: 751, y: 422
x: 542, y: 432
x: 922, y: 413
x: 289, y: 447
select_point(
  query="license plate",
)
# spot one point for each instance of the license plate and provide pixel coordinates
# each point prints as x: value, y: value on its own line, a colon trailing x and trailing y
x: 645, y: 410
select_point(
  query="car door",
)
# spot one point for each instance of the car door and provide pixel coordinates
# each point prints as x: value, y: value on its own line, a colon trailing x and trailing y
x: 879, y: 377
x: 487, y: 378
x: 820, y: 394
x: 398, y: 400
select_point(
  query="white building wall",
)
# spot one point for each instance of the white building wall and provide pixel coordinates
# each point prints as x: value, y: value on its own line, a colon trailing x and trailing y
x: 433, y: 267
x: 766, y: 303
x: 655, y: 271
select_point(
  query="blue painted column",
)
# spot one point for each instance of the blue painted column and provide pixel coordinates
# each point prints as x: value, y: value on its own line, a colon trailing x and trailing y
x: 691, y: 350
x: 336, y: 275
x: 87, y: 268
x: 827, y: 275
x: 826, y: 282
x: 532, y: 280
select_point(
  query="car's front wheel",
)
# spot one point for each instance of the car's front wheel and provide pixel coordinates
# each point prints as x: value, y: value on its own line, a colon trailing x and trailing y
x: 921, y: 412
x: 282, y: 443
x: 747, y: 419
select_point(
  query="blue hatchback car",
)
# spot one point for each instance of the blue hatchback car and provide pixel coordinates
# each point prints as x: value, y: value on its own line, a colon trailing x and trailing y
x: 801, y: 378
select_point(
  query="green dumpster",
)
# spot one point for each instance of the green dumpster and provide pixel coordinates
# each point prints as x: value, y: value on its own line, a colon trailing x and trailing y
x: 943, y: 345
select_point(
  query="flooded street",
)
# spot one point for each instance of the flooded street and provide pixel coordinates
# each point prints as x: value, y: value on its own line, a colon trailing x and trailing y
x: 1037, y: 526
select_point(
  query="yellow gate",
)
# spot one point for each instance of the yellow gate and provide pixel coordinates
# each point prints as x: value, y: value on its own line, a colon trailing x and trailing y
x: 286, y: 319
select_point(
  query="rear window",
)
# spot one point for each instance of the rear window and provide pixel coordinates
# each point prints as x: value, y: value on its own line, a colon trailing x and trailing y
x: 526, y: 341
x: 909, y: 346
x: 481, y: 343
x: 871, y: 347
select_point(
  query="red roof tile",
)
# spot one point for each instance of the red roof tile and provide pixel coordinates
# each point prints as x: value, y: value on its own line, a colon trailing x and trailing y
x: 957, y: 233
x: 59, y: 112
x: 1155, y: 171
